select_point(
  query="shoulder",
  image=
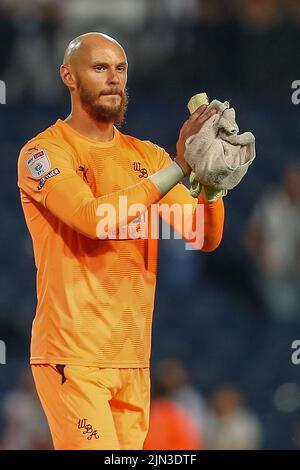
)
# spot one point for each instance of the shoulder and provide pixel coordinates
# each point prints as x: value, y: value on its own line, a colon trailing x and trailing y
x: 46, y: 150
x: 50, y: 137
x: 146, y: 145
x: 153, y: 155
x: 49, y: 142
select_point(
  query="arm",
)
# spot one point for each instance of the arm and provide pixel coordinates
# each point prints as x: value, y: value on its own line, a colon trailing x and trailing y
x: 93, y: 216
x: 214, y: 215
x: 47, y: 174
x: 211, y: 218
x: 206, y: 224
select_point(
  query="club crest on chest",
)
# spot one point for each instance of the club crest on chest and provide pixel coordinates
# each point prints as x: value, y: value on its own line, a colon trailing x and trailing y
x: 143, y: 172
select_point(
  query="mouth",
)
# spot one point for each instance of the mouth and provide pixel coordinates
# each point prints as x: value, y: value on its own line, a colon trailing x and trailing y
x: 110, y: 94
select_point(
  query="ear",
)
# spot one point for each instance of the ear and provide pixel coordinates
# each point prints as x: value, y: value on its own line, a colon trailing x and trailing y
x: 67, y: 76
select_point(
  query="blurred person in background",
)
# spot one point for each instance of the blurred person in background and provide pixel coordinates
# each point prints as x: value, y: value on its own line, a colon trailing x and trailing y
x: 34, y: 25
x: 7, y: 36
x: 91, y: 336
x: 295, y: 434
x: 25, y: 426
x: 172, y: 423
x: 273, y: 240
x: 264, y: 33
x: 173, y: 378
x: 232, y: 426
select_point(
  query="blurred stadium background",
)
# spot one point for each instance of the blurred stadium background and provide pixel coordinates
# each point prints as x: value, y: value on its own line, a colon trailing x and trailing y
x: 224, y: 321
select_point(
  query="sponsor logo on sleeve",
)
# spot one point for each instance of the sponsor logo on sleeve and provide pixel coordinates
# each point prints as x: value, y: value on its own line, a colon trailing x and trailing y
x: 52, y: 173
x: 38, y: 164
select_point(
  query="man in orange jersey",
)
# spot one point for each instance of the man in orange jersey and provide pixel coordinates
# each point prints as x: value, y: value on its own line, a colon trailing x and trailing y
x: 91, y: 335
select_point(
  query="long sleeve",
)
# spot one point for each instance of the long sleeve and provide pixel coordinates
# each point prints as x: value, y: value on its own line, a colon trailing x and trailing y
x: 199, y: 222
x: 96, y: 217
x: 214, y: 215
x: 206, y: 227
x: 64, y: 193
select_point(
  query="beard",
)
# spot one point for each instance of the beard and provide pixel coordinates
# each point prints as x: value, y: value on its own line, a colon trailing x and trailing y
x: 100, y: 112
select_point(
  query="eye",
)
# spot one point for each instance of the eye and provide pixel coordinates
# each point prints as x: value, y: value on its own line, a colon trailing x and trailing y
x: 100, y: 68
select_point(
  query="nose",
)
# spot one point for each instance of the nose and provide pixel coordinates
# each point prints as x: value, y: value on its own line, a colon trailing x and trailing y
x: 114, y: 77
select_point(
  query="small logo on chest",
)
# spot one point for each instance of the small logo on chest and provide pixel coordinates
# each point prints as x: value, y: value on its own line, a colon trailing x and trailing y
x: 84, y: 170
x: 143, y: 172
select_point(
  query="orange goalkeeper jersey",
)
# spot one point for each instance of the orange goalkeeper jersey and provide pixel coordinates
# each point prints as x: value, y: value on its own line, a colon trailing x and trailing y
x: 95, y: 296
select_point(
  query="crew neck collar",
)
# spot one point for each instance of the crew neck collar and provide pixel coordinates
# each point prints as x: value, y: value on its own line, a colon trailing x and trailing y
x: 100, y: 143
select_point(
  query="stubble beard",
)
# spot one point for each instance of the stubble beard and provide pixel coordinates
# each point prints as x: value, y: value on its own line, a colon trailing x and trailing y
x: 100, y: 112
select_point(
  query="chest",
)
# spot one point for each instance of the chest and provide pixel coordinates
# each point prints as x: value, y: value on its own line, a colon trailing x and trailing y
x: 109, y: 170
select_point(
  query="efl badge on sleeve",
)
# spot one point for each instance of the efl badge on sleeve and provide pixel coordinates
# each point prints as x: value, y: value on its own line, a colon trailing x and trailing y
x: 38, y: 164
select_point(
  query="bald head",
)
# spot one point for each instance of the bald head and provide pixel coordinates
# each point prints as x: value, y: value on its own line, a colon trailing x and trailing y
x: 95, y: 71
x: 86, y: 44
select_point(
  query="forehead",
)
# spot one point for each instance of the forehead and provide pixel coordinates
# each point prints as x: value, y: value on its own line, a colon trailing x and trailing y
x: 103, y: 52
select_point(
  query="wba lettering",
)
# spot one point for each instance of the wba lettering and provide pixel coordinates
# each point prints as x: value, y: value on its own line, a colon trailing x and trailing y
x: 143, y: 173
x: 88, y: 429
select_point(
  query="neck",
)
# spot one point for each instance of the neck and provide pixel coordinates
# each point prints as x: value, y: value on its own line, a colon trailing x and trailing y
x: 82, y: 122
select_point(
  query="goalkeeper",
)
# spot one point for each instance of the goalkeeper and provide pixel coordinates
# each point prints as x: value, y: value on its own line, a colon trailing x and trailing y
x: 91, y: 336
